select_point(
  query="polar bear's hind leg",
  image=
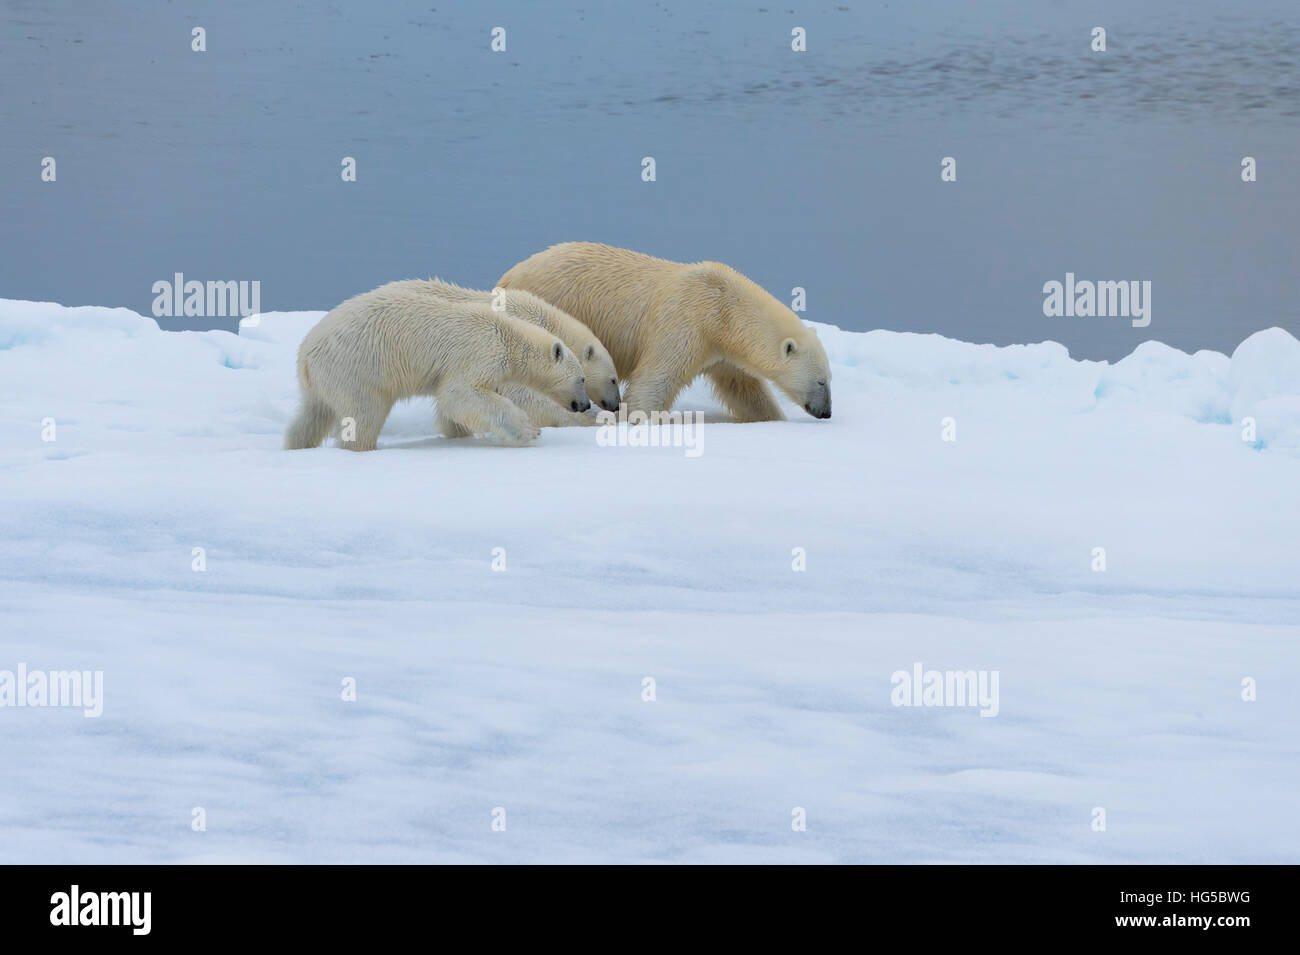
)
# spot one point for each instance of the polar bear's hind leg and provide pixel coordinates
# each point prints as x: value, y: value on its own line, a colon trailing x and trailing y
x: 313, y: 422
x: 368, y: 415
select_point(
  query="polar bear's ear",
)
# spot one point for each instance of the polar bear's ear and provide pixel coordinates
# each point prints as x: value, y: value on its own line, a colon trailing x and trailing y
x: 557, y: 352
x: 788, y: 348
x: 589, y: 353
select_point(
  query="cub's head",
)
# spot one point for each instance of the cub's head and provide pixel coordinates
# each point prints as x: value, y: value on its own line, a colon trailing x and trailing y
x: 602, y: 379
x: 597, y: 366
x: 563, y: 379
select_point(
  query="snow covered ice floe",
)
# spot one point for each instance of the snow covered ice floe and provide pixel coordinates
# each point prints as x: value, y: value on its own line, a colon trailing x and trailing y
x: 522, y: 689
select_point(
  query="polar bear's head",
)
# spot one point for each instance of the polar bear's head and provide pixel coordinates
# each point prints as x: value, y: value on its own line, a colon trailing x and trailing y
x: 769, y: 339
x: 597, y: 366
x: 559, y: 376
x: 602, y: 379
x: 805, y: 372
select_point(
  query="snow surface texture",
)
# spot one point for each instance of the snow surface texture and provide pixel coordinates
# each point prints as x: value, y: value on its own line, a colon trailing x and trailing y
x: 522, y: 689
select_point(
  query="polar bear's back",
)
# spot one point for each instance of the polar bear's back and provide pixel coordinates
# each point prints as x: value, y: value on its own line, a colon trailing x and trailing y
x: 401, y: 336
x: 520, y: 304
x: 617, y: 293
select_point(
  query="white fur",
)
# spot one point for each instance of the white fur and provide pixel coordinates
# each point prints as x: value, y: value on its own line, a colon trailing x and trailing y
x: 597, y: 366
x: 665, y: 323
x: 405, y: 339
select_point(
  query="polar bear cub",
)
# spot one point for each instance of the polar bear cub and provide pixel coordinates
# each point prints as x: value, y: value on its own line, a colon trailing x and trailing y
x: 400, y: 341
x: 597, y: 366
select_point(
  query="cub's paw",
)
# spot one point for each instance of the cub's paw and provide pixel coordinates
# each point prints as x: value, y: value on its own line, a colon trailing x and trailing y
x: 520, y: 435
x: 450, y: 429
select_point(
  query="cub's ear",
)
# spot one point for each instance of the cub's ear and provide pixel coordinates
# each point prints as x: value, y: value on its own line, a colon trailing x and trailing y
x: 788, y: 347
x: 557, y: 352
x: 589, y: 353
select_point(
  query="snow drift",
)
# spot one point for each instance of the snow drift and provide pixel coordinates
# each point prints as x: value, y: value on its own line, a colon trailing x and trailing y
x: 523, y: 688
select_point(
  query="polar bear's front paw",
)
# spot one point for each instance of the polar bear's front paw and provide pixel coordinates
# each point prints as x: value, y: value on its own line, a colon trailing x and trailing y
x: 520, y: 435
x: 451, y: 429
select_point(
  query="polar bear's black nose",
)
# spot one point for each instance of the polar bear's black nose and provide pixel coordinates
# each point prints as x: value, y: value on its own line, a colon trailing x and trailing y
x: 580, y: 406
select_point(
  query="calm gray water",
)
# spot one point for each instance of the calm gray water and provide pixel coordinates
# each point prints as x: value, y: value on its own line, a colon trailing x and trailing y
x: 816, y: 169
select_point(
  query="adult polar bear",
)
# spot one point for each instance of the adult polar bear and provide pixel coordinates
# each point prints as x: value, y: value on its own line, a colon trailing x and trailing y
x: 399, y: 341
x: 597, y: 365
x: 665, y: 323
